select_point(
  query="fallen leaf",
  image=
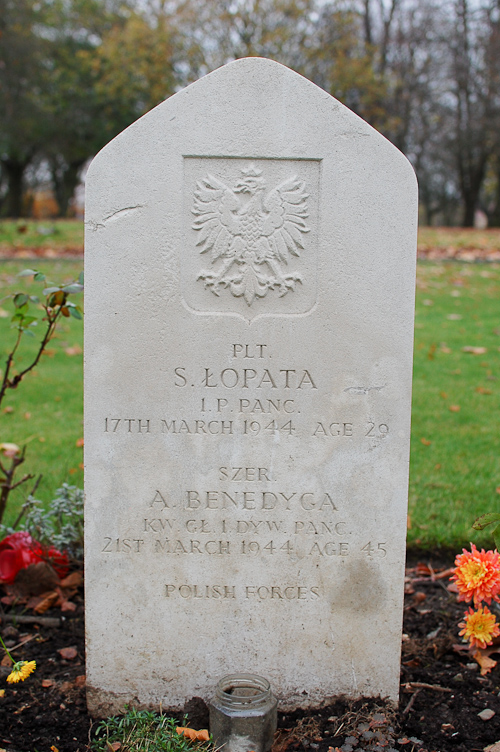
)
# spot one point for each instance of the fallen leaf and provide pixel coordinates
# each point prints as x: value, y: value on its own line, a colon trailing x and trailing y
x: 419, y: 597
x: 443, y: 395
x: 454, y: 408
x: 8, y: 409
x: 80, y: 680
x: 114, y: 746
x: 73, y: 470
x: 73, y: 580
x: 68, y: 605
x: 27, y: 416
x: 6, y: 661
x: 46, y: 683
x: 79, y: 442
x: 446, y: 350
x: 9, y: 450
x: 454, y: 317
x: 81, y: 466
x: 68, y: 653
x: 438, y: 466
x: 47, y: 602
x: 49, y: 352
x: 482, y: 390
x: 475, y: 350
x: 426, y: 442
x: 75, y: 350
x: 427, y: 302
x: 486, y: 663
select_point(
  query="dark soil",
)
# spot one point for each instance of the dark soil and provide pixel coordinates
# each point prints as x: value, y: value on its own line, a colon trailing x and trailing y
x: 442, y: 691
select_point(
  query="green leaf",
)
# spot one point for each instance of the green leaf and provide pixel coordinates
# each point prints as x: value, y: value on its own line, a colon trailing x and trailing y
x: 28, y: 332
x: 496, y: 537
x: 27, y: 273
x: 80, y: 278
x: 75, y: 312
x: 73, y: 288
x: 485, y: 519
x: 20, y: 299
x: 39, y: 277
x: 49, y: 290
x: 34, y: 298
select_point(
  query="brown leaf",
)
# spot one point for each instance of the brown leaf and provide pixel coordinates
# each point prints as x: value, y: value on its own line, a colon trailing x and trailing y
x: 68, y: 653
x: 114, y: 746
x: 482, y: 390
x: 475, y: 350
x: 46, y: 683
x: 73, y: 580
x: 426, y: 442
x: 49, y: 600
x: 419, y: 597
x: 68, y: 605
x: 80, y: 681
x: 454, y: 408
x: 486, y: 663
x: 6, y: 661
x: 75, y: 350
x: 443, y: 395
x: 79, y: 442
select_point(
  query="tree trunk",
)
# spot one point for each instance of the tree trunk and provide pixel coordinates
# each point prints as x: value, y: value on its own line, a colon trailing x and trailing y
x: 494, y: 216
x: 13, y: 206
x: 65, y: 179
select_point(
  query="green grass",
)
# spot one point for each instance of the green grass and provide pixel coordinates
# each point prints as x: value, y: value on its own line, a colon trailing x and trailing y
x: 45, y: 411
x: 453, y: 479
x: 47, y: 233
x: 144, y: 731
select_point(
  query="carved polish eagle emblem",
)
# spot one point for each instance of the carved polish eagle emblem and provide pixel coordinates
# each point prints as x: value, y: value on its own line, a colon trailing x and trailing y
x: 250, y: 233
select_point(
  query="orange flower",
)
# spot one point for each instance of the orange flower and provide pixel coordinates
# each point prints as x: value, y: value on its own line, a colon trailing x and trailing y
x: 479, y: 627
x: 477, y: 575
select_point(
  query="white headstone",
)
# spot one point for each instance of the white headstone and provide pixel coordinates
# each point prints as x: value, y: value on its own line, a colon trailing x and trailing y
x: 250, y: 261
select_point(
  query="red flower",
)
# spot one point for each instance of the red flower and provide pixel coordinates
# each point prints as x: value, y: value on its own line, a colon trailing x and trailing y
x: 477, y: 575
x: 19, y: 550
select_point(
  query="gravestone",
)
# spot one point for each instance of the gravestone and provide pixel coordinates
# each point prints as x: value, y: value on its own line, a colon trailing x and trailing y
x: 250, y: 262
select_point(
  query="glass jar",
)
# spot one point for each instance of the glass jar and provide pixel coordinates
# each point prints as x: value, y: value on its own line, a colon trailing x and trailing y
x: 243, y: 714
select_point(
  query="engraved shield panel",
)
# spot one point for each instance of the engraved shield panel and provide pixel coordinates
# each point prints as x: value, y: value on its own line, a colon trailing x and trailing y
x: 250, y: 236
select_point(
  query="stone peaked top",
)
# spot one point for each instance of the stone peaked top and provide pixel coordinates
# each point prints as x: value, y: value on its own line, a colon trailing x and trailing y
x: 258, y: 89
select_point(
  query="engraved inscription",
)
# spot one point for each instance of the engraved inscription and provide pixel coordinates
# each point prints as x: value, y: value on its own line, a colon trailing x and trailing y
x: 251, y: 234
x: 254, y: 592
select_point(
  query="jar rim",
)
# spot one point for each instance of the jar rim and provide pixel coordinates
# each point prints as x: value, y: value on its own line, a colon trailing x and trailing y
x: 260, y: 685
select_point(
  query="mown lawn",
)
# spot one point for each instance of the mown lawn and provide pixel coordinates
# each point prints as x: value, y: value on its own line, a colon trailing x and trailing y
x: 45, y: 411
x: 455, y: 455
x: 43, y: 233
